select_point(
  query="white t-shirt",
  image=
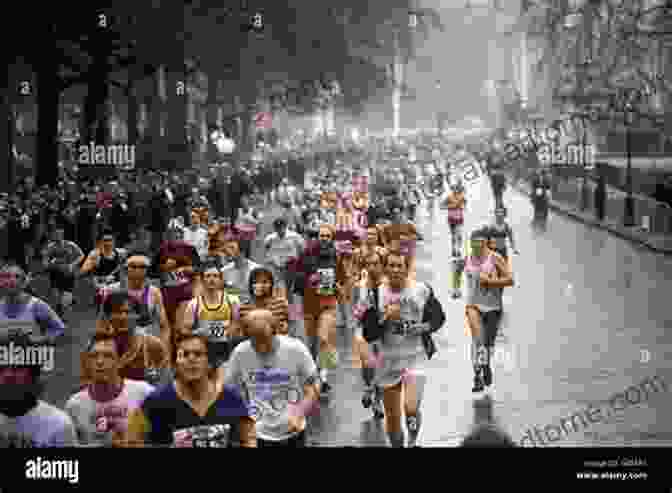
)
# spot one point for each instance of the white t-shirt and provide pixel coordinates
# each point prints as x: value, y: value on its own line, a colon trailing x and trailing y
x: 95, y: 421
x: 198, y: 238
x: 272, y: 383
x: 401, y: 348
x: 43, y: 426
x: 284, y: 248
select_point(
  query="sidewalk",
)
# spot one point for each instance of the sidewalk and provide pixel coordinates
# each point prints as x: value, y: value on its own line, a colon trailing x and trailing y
x: 657, y: 242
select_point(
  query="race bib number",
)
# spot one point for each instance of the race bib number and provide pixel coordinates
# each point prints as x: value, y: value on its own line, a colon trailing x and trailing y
x: 217, y: 329
x: 102, y: 424
x: 403, y: 328
x: 327, y: 282
x: 176, y: 278
x: 206, y: 436
x: 25, y: 221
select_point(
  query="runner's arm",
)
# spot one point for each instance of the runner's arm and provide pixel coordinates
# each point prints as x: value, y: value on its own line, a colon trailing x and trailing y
x: 79, y: 256
x: 159, y: 352
x: 234, y: 329
x: 91, y: 262
x: 307, y: 371
x: 504, y: 275
x: 248, y: 432
x: 49, y: 321
x: 186, y: 325
x: 163, y: 319
x: 509, y: 233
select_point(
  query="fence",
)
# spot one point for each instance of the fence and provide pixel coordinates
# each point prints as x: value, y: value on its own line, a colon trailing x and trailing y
x: 651, y: 215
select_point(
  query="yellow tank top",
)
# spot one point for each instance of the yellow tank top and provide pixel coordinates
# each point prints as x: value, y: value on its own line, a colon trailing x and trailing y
x: 215, y: 319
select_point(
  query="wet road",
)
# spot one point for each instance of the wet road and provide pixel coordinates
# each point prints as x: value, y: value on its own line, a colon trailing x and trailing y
x: 589, y: 317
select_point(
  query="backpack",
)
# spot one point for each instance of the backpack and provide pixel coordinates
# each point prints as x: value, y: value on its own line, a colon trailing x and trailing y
x: 373, y: 328
x: 434, y: 315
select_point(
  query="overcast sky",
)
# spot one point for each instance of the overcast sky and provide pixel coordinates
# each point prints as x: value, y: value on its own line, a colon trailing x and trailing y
x: 458, y: 57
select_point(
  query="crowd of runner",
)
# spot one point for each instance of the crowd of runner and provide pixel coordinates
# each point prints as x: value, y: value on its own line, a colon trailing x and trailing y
x: 212, y: 332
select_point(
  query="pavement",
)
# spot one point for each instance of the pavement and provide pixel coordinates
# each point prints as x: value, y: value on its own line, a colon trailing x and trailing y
x: 591, y: 320
x: 661, y: 243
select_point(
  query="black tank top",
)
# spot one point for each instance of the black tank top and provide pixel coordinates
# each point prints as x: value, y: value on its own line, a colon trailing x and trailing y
x: 106, y: 266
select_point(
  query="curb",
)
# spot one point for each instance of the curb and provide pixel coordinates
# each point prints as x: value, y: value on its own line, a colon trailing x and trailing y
x: 592, y: 222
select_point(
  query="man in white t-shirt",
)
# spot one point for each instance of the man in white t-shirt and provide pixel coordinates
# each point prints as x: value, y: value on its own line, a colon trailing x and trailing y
x: 278, y: 377
x: 100, y: 411
x: 196, y: 234
x: 281, y: 248
x: 25, y: 420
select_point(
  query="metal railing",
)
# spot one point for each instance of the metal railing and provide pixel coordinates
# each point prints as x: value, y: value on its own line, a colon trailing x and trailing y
x: 650, y: 215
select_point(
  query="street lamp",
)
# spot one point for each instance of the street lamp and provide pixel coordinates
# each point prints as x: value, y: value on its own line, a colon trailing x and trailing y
x: 436, y: 111
x: 629, y: 112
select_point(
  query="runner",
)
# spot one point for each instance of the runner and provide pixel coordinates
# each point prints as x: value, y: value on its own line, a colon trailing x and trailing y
x: 214, y: 313
x: 279, y: 378
x: 261, y: 297
x: 282, y: 247
x: 147, y: 310
x: 322, y: 280
x: 193, y: 410
x: 143, y: 357
x: 486, y: 274
x: 249, y: 219
x: 196, y: 234
x: 100, y: 411
x: 402, y: 304
x: 177, y: 261
x: 372, y: 244
x: 501, y: 231
x: 367, y: 355
x: 61, y: 259
x: 24, y: 314
x: 455, y: 203
x: 236, y: 274
x: 25, y: 420
x: 104, y: 262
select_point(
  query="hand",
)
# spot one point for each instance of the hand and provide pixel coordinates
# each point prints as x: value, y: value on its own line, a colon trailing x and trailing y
x: 296, y: 424
x: 169, y: 264
x: 485, y: 278
x: 393, y: 312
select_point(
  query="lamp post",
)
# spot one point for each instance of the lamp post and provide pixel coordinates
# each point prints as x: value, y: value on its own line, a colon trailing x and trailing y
x: 436, y: 111
x: 629, y: 212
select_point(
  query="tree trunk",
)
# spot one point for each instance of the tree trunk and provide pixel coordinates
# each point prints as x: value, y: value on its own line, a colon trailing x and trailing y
x: 156, y: 119
x: 96, y: 118
x: 132, y: 113
x: 7, y: 128
x: 47, y: 122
